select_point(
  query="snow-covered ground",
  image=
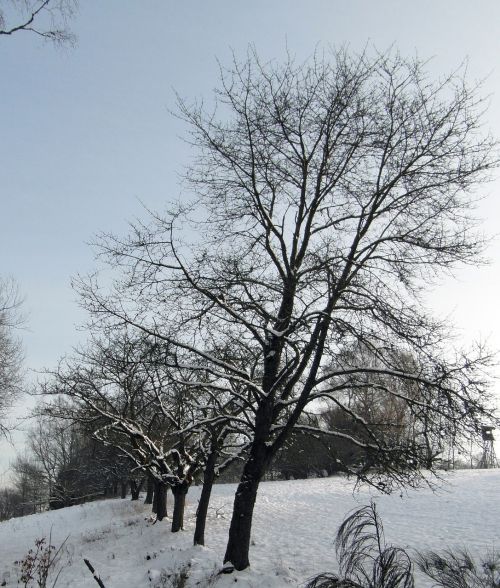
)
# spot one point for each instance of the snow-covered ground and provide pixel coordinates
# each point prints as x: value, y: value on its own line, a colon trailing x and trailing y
x: 294, y: 528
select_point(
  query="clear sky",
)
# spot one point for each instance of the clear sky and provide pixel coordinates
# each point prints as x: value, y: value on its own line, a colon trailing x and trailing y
x: 86, y: 133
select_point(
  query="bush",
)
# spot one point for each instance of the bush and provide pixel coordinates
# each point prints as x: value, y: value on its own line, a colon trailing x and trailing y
x: 38, y: 563
x: 459, y: 570
x: 365, y: 560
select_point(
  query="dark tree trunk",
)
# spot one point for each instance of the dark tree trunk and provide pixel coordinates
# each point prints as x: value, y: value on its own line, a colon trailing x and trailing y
x: 124, y: 489
x: 201, y: 512
x: 115, y: 488
x: 154, y: 507
x: 179, y: 493
x: 238, y: 544
x: 149, y: 491
x: 135, y: 488
x: 160, y: 500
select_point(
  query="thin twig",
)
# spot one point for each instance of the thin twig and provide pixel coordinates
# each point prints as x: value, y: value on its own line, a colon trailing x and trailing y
x: 94, y: 573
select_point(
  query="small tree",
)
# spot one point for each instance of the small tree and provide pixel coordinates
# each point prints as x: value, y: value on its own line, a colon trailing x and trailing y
x: 326, y: 195
x: 39, y: 564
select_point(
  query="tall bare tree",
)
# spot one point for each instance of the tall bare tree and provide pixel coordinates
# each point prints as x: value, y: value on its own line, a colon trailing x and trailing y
x: 326, y: 196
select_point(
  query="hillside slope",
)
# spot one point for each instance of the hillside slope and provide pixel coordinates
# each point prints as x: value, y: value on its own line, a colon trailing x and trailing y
x: 294, y: 528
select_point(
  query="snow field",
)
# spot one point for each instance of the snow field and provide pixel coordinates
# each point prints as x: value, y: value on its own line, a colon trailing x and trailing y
x: 294, y: 528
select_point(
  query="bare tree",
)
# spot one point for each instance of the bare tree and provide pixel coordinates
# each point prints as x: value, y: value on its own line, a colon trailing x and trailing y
x: 10, y: 504
x: 394, y: 409
x: 11, y: 353
x: 45, y: 18
x: 129, y: 388
x: 327, y: 195
x: 28, y: 480
x: 51, y: 444
x: 72, y: 467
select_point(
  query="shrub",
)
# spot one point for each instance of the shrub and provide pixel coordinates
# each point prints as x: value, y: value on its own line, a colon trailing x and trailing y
x: 365, y: 560
x: 459, y: 570
x: 38, y: 563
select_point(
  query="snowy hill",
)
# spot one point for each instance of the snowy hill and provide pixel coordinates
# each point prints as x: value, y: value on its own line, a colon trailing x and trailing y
x: 294, y: 527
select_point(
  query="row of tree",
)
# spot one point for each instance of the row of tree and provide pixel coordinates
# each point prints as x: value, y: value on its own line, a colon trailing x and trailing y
x: 73, y: 454
x: 63, y: 465
x: 325, y: 197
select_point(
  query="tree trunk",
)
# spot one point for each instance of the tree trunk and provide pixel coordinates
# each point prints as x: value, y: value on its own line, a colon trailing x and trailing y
x: 160, y: 500
x: 135, y: 488
x: 154, y: 507
x: 238, y: 544
x: 179, y: 493
x: 201, y: 512
x: 149, y: 491
x: 124, y: 489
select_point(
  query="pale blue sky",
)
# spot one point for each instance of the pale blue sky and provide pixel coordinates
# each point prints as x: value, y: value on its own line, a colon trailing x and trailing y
x: 86, y: 133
